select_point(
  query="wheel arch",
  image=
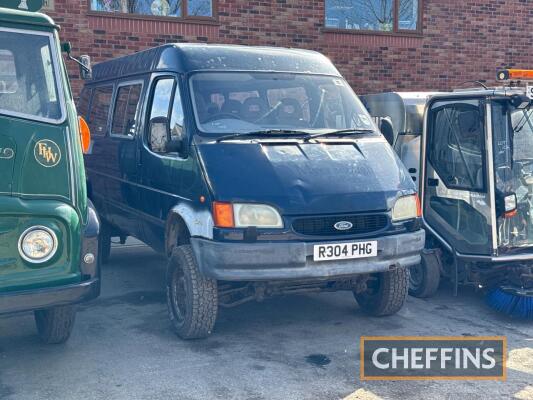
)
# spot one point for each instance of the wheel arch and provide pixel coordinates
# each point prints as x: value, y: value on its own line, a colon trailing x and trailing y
x: 183, y: 222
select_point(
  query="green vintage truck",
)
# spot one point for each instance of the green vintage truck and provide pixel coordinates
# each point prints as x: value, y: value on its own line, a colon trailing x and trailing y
x: 48, y: 229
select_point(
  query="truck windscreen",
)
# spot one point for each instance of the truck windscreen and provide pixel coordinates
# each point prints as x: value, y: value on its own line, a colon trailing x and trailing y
x: 28, y: 84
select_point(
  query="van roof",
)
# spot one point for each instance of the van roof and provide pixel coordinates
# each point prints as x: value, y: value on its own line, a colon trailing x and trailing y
x: 16, y: 17
x: 188, y: 57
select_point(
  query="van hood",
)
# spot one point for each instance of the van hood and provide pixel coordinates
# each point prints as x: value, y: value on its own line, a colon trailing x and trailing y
x: 34, y: 159
x: 330, y: 177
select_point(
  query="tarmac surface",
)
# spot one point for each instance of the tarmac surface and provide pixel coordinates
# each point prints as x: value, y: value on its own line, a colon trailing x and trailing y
x: 293, y: 347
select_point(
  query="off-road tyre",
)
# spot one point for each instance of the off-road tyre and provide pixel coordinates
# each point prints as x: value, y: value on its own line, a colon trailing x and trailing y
x: 424, y: 278
x: 54, y: 325
x: 385, y: 295
x: 192, y: 299
x: 104, y: 242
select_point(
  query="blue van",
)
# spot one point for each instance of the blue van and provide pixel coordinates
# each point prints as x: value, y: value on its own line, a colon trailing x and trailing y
x: 256, y: 170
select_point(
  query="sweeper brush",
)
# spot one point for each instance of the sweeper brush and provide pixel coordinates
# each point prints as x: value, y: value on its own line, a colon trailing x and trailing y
x: 516, y: 303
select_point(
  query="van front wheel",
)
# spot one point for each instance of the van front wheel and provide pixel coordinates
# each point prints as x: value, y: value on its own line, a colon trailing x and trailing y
x: 386, y: 293
x: 424, y: 278
x: 55, y: 325
x: 192, y: 299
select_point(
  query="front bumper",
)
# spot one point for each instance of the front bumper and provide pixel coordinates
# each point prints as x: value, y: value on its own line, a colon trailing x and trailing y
x: 230, y: 261
x: 29, y: 300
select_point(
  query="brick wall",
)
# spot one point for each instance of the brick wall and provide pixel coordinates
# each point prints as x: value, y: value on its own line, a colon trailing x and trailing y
x: 461, y: 39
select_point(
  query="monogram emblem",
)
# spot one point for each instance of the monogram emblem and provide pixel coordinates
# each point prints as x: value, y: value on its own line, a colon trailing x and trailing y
x: 343, y: 225
x: 47, y: 153
x: 7, y: 153
x: 23, y: 5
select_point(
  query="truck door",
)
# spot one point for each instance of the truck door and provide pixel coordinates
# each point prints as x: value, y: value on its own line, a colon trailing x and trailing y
x: 456, y: 195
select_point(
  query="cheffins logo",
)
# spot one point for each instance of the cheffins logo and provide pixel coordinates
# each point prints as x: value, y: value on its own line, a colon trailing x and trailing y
x: 7, y: 153
x: 47, y: 153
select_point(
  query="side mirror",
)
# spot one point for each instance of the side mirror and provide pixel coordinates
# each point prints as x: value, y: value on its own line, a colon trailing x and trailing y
x: 161, y: 140
x: 159, y: 134
x: 387, y: 129
x: 506, y: 204
x: 86, y: 71
x: 84, y: 62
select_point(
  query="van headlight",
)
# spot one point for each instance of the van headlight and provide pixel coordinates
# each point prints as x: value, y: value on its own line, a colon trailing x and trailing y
x: 259, y: 215
x: 243, y: 215
x: 37, y: 244
x: 407, y: 207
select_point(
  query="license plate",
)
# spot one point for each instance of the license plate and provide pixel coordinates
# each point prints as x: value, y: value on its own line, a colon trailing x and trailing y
x: 345, y: 251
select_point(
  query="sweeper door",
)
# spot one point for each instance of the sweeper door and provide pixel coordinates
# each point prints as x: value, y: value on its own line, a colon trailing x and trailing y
x: 456, y: 195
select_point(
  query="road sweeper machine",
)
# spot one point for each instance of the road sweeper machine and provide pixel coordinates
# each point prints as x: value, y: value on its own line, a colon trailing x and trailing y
x: 471, y: 153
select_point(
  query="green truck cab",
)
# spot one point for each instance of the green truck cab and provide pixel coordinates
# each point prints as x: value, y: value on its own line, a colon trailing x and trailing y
x: 48, y: 228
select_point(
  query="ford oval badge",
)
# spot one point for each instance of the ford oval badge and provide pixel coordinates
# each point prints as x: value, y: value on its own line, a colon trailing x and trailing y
x: 343, y: 225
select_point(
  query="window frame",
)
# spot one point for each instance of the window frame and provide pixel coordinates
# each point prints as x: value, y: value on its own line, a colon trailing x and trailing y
x: 177, y: 87
x: 57, y: 74
x: 114, y: 104
x: 484, y: 156
x: 213, y: 19
x: 396, y: 31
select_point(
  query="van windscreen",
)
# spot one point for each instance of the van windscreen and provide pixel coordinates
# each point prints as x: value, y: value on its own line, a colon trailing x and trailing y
x: 235, y: 102
x: 28, y: 85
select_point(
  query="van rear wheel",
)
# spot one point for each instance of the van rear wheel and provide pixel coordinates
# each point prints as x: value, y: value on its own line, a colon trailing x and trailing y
x: 192, y: 299
x: 386, y: 293
x: 54, y: 325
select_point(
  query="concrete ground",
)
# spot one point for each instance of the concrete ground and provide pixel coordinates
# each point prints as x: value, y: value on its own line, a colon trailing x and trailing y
x: 296, y: 347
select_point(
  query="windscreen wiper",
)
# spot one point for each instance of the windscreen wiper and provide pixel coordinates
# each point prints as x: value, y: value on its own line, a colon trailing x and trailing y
x: 265, y: 133
x: 340, y: 132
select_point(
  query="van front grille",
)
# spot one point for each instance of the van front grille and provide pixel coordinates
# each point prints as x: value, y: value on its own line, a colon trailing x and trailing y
x: 325, y: 226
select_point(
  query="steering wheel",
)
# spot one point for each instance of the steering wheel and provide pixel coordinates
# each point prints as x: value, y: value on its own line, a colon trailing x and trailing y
x: 222, y: 116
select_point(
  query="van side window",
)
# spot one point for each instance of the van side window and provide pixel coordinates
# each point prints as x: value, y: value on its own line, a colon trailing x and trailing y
x: 127, y: 101
x: 100, y: 109
x: 83, y: 103
x: 165, y: 94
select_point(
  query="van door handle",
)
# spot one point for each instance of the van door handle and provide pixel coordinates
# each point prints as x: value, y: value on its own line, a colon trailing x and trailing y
x: 433, y: 182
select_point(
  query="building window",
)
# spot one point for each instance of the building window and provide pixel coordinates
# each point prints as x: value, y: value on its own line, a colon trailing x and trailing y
x: 373, y: 15
x: 157, y: 8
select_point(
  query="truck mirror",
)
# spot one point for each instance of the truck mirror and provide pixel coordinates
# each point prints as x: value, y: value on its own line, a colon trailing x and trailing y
x: 86, y: 71
x: 387, y: 129
x: 66, y: 47
x: 506, y: 204
x: 84, y: 62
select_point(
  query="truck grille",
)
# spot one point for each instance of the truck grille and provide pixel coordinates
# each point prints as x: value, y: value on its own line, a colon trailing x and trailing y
x: 325, y: 226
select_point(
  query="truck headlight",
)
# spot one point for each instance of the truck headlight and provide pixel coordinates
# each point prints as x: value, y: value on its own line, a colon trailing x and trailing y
x: 407, y: 207
x: 37, y: 244
x: 243, y: 215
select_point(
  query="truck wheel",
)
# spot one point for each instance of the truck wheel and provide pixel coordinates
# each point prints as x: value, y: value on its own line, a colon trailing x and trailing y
x: 104, y: 242
x: 386, y: 294
x: 424, y: 278
x: 54, y: 325
x: 192, y: 299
